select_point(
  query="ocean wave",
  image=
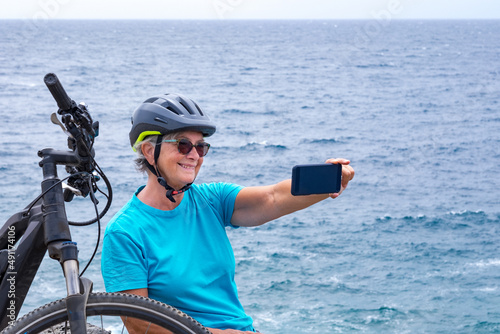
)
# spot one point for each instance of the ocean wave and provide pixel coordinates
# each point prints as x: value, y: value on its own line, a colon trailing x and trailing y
x: 451, y: 221
x: 236, y: 111
x: 436, y: 219
x: 248, y: 112
x: 252, y: 146
x: 375, y: 316
x: 382, y: 65
x: 486, y: 263
x: 320, y: 141
x: 484, y: 327
x: 24, y: 84
x: 465, y: 213
x: 280, y: 285
x: 248, y: 68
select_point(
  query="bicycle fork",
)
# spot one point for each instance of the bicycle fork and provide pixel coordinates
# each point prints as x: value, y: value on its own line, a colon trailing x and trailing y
x: 78, y: 294
x: 78, y: 288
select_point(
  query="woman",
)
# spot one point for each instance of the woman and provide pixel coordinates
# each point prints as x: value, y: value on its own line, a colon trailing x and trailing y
x: 169, y: 241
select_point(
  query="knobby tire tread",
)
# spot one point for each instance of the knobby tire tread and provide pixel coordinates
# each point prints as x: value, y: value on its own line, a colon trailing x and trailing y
x: 109, y: 304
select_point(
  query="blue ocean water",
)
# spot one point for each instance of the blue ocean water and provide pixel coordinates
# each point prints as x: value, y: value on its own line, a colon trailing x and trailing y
x: 412, y: 246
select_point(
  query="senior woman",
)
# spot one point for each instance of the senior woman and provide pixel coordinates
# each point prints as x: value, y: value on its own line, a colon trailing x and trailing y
x: 169, y: 241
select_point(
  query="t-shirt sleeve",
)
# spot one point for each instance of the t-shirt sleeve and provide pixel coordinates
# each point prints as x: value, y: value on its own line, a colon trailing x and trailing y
x: 222, y: 196
x: 123, y: 264
x: 229, y: 193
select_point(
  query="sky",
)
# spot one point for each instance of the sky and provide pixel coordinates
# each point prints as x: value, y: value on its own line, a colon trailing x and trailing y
x: 250, y: 9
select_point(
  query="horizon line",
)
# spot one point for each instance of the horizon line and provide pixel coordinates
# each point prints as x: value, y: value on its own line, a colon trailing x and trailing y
x: 251, y: 19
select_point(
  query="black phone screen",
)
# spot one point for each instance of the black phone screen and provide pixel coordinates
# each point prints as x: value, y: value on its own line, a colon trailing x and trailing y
x: 316, y: 179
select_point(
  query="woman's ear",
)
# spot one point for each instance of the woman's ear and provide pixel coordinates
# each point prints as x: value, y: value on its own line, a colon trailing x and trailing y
x: 148, y: 150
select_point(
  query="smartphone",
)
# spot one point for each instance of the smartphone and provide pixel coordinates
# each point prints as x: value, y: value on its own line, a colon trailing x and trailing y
x: 316, y: 179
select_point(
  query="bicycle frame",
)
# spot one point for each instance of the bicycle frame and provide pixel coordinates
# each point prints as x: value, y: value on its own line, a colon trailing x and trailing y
x: 26, y: 237
x: 19, y: 264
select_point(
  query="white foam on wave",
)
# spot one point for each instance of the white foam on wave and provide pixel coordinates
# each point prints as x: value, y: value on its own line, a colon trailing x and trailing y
x: 487, y: 263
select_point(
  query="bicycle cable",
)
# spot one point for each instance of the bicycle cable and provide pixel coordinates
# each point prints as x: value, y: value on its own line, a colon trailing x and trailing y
x: 33, y: 203
x: 109, y: 197
x: 98, y: 227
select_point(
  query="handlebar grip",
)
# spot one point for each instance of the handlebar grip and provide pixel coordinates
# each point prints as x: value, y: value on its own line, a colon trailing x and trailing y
x: 58, y: 92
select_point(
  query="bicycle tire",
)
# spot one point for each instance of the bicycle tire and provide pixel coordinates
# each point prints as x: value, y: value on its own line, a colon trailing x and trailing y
x: 54, y: 315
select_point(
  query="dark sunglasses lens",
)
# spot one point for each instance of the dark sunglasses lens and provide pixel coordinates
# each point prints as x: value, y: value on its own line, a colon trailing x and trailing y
x: 184, y: 146
x: 202, y: 149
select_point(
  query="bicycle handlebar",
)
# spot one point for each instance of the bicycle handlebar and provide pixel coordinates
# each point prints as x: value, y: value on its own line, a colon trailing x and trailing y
x: 57, y: 90
x: 80, y: 164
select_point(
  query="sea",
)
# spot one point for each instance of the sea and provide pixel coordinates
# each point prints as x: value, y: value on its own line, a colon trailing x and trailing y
x: 413, y: 243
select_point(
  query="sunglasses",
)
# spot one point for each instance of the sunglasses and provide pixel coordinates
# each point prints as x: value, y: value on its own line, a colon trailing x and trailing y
x: 185, y: 146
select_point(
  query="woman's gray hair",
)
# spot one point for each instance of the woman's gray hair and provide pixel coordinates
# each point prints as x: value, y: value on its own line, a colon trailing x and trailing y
x: 140, y: 161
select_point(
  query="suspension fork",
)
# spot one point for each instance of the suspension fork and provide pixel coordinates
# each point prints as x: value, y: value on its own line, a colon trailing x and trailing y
x: 78, y: 288
x: 78, y: 294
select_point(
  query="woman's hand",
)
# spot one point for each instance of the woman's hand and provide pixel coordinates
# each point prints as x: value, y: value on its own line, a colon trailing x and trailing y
x: 347, y: 174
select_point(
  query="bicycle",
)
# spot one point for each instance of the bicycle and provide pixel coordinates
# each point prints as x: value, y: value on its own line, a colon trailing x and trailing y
x: 43, y: 226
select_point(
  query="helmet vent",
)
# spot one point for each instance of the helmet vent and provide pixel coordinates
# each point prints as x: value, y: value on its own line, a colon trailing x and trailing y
x: 199, y: 110
x: 186, y: 107
x: 161, y: 120
x: 151, y: 100
x: 167, y: 106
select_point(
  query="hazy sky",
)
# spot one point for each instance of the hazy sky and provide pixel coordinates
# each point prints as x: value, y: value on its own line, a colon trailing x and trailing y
x: 250, y: 9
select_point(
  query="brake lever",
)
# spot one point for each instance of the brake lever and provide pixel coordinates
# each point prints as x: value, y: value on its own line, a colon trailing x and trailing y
x: 80, y: 184
x: 56, y: 121
x: 75, y: 191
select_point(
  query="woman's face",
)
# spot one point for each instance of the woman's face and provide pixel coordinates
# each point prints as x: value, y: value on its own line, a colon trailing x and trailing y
x: 179, y: 169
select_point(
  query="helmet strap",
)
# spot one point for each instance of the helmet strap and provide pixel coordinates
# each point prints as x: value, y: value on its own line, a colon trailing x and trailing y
x: 161, y: 180
x: 171, y: 191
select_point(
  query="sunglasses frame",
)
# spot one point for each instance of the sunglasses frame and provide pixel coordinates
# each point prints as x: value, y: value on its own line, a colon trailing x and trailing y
x: 200, y: 144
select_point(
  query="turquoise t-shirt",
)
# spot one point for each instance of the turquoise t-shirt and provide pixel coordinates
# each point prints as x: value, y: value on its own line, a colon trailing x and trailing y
x: 183, y: 256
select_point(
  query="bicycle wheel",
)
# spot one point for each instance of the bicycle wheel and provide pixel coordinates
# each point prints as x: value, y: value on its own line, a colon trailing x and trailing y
x: 109, y: 313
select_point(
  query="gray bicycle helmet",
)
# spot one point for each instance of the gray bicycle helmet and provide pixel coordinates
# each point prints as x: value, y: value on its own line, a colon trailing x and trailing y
x: 163, y: 114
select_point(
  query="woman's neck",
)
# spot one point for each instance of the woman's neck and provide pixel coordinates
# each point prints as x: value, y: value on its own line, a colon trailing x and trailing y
x: 154, y: 195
